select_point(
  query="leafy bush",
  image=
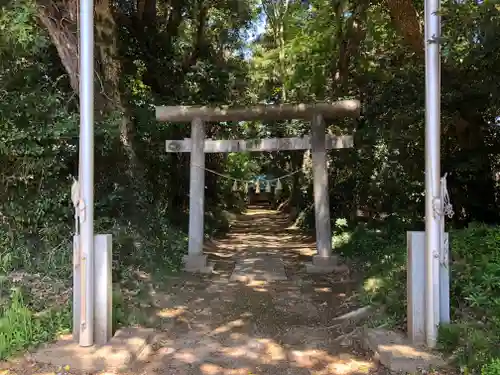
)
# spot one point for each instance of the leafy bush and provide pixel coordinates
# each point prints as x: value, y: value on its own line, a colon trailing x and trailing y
x: 475, y: 296
x: 20, y: 328
x: 380, y: 253
x: 472, y: 338
x: 492, y: 368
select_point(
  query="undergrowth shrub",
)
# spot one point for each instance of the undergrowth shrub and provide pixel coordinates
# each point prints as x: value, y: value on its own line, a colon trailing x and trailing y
x: 381, y: 254
x: 20, y: 328
x: 492, y: 368
x: 472, y: 338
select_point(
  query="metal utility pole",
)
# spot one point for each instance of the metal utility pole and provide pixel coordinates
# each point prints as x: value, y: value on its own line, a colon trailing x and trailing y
x: 433, y: 199
x: 86, y: 171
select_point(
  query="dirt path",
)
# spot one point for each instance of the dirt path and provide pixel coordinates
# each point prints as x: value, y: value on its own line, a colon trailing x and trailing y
x: 210, y: 325
x: 213, y: 326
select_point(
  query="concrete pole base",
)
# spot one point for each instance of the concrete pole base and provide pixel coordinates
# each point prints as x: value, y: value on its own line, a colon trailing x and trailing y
x: 416, y: 279
x: 103, y: 288
x: 197, y: 264
x: 321, y: 264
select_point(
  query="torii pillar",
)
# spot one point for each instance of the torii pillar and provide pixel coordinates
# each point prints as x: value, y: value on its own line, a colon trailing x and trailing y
x: 195, y: 260
x: 324, y: 261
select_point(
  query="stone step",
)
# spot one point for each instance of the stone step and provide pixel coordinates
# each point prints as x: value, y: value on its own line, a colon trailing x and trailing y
x: 262, y: 268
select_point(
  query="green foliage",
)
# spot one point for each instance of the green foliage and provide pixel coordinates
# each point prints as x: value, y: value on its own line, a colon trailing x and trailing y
x: 492, y: 368
x: 308, y: 51
x: 38, y: 153
x: 475, y: 293
x: 380, y: 251
x: 20, y: 328
x: 476, y: 272
x: 472, y: 340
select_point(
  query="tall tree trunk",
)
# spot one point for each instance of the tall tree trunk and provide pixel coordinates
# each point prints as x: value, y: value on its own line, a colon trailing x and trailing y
x: 146, y: 13
x: 349, y: 36
x: 110, y: 68
x: 470, y: 126
x: 276, y: 13
x: 61, y: 20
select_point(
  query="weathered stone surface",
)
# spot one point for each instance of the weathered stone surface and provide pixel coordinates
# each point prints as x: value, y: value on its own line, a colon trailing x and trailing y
x: 263, y: 268
x: 198, y: 264
x: 126, y: 346
x: 395, y: 352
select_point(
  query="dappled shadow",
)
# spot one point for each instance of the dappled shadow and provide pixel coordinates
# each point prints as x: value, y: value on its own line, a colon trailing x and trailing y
x: 211, y: 325
x: 259, y: 328
x: 264, y: 232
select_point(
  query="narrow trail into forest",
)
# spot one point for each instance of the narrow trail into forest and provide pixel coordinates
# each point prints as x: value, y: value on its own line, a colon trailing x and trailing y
x: 212, y: 325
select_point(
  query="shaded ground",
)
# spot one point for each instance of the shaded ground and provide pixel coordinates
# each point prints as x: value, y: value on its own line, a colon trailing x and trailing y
x: 209, y: 325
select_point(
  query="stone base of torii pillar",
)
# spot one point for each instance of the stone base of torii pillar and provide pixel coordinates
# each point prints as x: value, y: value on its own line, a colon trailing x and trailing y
x: 197, y: 263
x: 322, y: 264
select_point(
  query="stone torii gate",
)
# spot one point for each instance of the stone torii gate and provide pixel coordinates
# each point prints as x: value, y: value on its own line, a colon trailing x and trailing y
x: 318, y: 142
